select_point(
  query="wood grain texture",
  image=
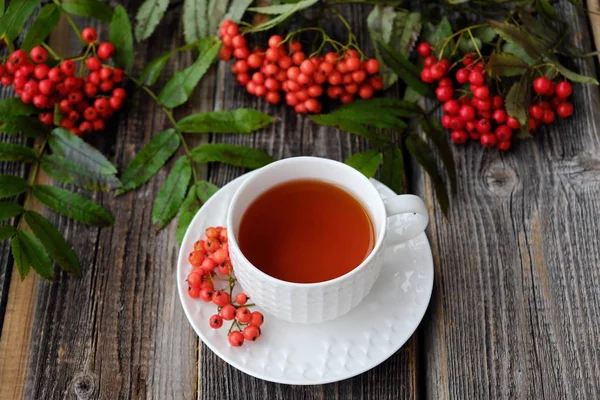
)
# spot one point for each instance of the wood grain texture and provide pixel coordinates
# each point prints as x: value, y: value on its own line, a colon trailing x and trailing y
x: 516, y: 301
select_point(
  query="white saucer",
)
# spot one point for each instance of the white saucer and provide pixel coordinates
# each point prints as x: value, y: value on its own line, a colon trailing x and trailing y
x: 315, y: 354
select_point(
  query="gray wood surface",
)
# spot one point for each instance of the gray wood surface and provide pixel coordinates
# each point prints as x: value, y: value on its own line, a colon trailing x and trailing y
x: 516, y: 306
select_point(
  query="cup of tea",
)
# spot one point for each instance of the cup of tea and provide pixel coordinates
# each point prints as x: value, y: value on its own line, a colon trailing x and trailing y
x: 307, y: 237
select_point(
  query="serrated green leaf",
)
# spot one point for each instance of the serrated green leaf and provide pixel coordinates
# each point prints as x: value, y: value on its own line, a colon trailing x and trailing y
x: 241, y: 120
x: 237, y: 9
x: 44, y: 23
x: 392, y: 170
x: 505, y: 64
x: 240, y: 156
x: 405, y: 70
x: 288, y: 11
x: 9, y: 210
x: 65, y: 144
x: 515, y: 49
x: 16, y: 152
x: 195, y: 20
x: 216, y: 10
x: 179, y: 88
x: 15, y: 17
x: 6, y: 232
x: 88, y: 8
x: 439, y: 35
x: 153, y: 69
x: 366, y: 162
x: 421, y: 152
x: 121, y: 37
x: 434, y: 131
x: 148, y: 16
x: 72, y: 205
x: 28, y: 126
x: 53, y: 241
x: 190, y: 206
x: 169, y: 198
x: 205, y: 190
x: 66, y: 171
x: 574, y: 76
x: 514, y: 34
x: 33, y: 252
x: 150, y: 159
x: 517, y: 102
x: 12, y: 185
x: 18, y: 253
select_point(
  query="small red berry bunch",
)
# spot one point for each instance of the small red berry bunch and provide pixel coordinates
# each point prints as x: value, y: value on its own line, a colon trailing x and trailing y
x: 82, y: 102
x: 285, y: 69
x: 551, y: 100
x: 210, y: 262
x: 475, y: 113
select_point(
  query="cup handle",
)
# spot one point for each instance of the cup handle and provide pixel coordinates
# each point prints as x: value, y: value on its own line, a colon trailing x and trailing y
x: 401, y: 226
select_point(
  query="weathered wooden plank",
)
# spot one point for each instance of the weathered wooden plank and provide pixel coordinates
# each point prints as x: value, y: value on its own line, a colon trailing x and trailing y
x: 516, y: 302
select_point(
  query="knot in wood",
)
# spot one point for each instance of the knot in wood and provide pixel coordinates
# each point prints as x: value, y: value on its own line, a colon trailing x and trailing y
x: 499, y: 178
x: 84, y: 385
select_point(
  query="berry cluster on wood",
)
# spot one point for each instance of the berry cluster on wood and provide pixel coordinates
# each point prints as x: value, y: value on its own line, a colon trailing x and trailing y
x: 283, y: 71
x: 210, y: 262
x: 479, y: 115
x: 78, y: 101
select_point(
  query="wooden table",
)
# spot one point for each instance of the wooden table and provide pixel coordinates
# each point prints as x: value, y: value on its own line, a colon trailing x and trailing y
x: 515, y: 311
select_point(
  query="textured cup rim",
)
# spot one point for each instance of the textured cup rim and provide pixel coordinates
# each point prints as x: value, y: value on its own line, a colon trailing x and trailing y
x: 380, y: 235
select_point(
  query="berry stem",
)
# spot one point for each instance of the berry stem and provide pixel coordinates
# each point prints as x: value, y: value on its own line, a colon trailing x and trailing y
x: 51, y: 51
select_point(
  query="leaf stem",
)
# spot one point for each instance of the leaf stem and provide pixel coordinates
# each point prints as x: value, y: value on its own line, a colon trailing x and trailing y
x: 71, y: 21
x: 51, y: 51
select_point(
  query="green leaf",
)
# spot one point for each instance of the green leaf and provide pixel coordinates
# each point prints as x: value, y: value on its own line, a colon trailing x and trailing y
x: 18, y: 253
x: 574, y: 76
x: 88, y: 8
x: 283, y: 12
x: 148, y: 16
x: 468, y: 45
x: 216, y: 10
x: 392, y: 170
x: 53, y: 241
x: 366, y: 162
x: 16, y: 152
x: 121, y: 37
x: 205, y: 190
x: 240, y: 156
x: 189, y: 208
x: 72, y: 205
x: 439, y: 35
x: 514, y: 34
x: 517, y: 102
x: 150, y: 159
x: 544, y: 8
x: 179, y: 88
x: 44, y: 23
x: 241, y: 120
x: 16, y: 15
x: 171, y: 195
x: 505, y: 64
x: 405, y: 70
x: 66, y: 171
x: 515, y: 49
x: 13, y: 107
x: 30, y: 252
x: 485, y: 34
x: 153, y: 69
x: 9, y: 210
x: 434, y: 131
x: 65, y: 144
x: 12, y: 185
x: 421, y: 152
x: 195, y: 21
x: 6, y: 232
x: 28, y: 126
x: 237, y: 9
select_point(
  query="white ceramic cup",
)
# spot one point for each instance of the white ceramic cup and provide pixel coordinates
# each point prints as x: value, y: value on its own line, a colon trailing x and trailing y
x: 321, y: 301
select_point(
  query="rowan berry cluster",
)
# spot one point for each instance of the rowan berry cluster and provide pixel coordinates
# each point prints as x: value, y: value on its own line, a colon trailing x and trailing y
x: 210, y: 262
x: 284, y: 71
x: 473, y: 112
x: 80, y: 101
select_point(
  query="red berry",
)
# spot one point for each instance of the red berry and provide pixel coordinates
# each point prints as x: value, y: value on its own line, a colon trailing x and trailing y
x: 484, y: 126
x: 513, y: 123
x: 257, y: 318
x: 86, y: 126
x: 290, y: 99
x: 312, y: 105
x: 273, y: 97
x: 106, y: 86
x: 55, y: 74
x: 536, y: 111
x: 307, y: 67
x: 227, y: 312
x: 445, y: 120
x: 488, y: 140
x: 68, y: 67
x: 255, y: 60
x: 352, y: 63
x: 564, y: 110
x: 220, y: 298
x: 504, y: 145
x: 91, y: 114
x: 20, y: 82
x: 451, y: 107
x: 46, y: 86
x: 426, y: 75
x: 497, y: 102
x: 376, y: 82
x: 67, y: 123
x: 243, y: 315
x: 459, y: 137
x: 315, y: 91
x: 18, y: 57
x: 73, y: 116
x: 105, y: 50
x: 457, y: 124
x: 260, y: 90
x: 47, y: 118
x: 275, y: 41
x: 31, y: 87
x: 238, y: 41
x: 117, y: 75
x: 445, y: 82
x: 500, y: 116
x: 206, y: 294
x: 304, y: 79
x: 466, y: 112
x: 106, y: 73
x: 563, y: 89
x: 41, y: 71
x: 241, y: 298
x: 90, y: 89
x: 71, y: 83
x: 437, y: 71
x: 429, y: 61
x: 346, y: 98
x: 251, y: 332
x: 542, y: 85
x: 271, y: 84
x: 548, y: 117
x: 424, y: 49
x: 471, y: 126
x: 241, y: 53
x: 98, y: 124
x: 365, y: 91
x: 503, y: 132
x: 40, y: 101
x: 236, y: 338
x: 482, y: 105
x: 476, y: 78
x: 545, y: 105
x: 462, y: 75
x: 372, y: 66
x: 444, y: 93
x: 89, y: 34
x: 65, y: 106
x: 94, y: 78
x: 225, y: 53
x: 482, y: 92
x: 359, y: 76
x: 38, y: 54
x: 216, y: 321
x: 468, y: 60
x: 194, y: 292
x: 298, y: 58
x: 101, y: 105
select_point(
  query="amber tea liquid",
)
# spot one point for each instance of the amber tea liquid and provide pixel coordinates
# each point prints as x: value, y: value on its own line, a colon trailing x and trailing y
x: 306, y: 231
